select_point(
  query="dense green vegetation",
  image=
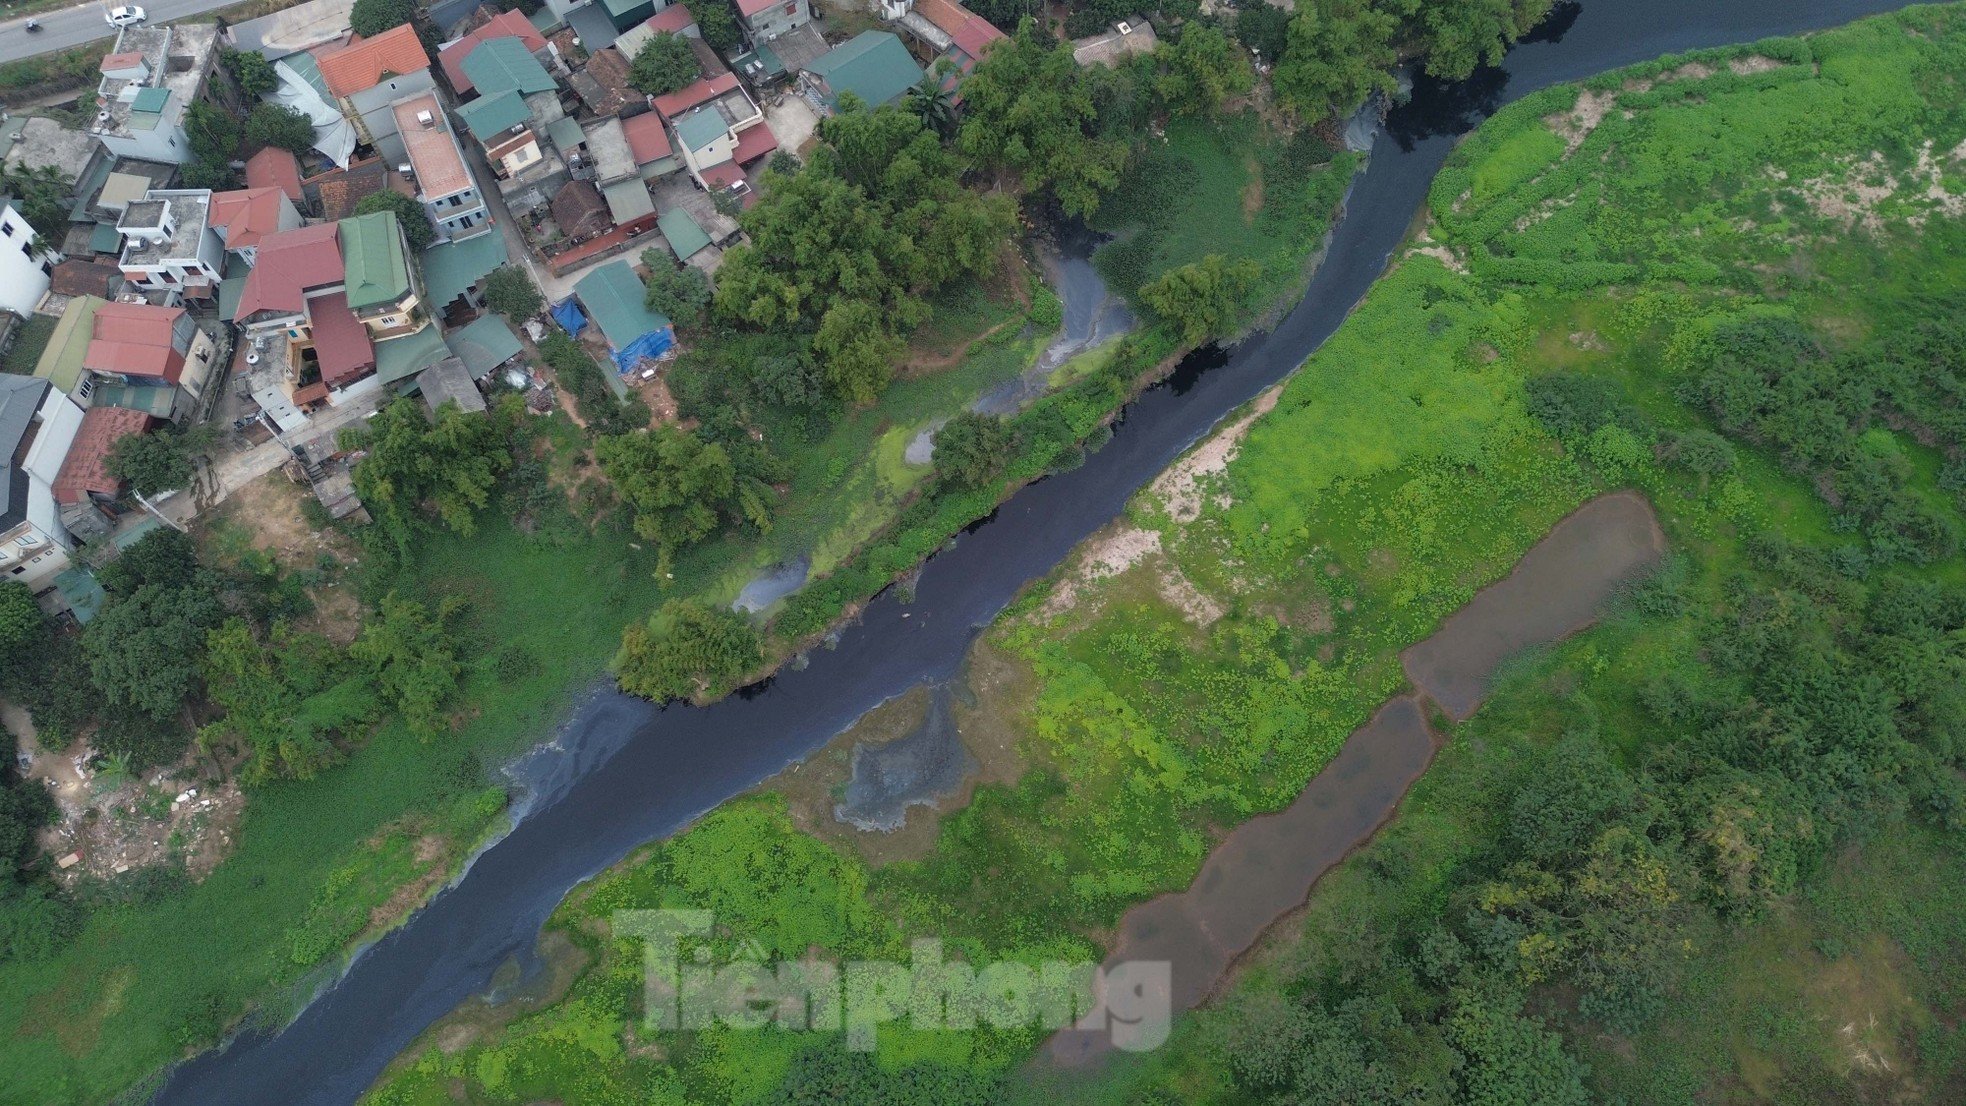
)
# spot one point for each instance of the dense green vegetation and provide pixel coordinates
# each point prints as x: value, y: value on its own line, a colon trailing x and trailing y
x: 1671, y: 857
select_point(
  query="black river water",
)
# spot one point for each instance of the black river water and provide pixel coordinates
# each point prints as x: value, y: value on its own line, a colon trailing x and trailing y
x: 622, y: 772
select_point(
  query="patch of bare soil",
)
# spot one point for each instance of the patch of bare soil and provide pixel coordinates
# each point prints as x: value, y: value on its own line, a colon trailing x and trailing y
x: 1752, y: 64
x: 268, y: 511
x: 430, y: 852
x: 1185, y: 487
x: 1853, y: 193
x: 1575, y: 125
x: 1181, y: 594
x: 1425, y: 246
x: 1110, y: 552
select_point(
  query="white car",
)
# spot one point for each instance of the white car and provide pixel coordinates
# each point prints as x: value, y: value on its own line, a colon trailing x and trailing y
x: 125, y: 16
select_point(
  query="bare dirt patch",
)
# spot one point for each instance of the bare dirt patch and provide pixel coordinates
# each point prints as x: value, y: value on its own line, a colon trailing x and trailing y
x: 1752, y: 64
x: 1184, y: 488
x: 1107, y: 553
x: 1181, y: 593
x: 429, y: 851
x: 267, y: 514
x: 1853, y: 194
x: 1575, y: 125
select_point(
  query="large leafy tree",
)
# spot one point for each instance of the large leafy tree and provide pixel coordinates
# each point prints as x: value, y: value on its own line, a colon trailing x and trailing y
x: 680, y: 486
x: 1200, y: 70
x: 411, y: 652
x: 285, y: 700
x: 511, y: 293
x: 372, y: 17
x: 679, y: 293
x: 450, y: 466
x: 852, y: 242
x: 1337, y: 53
x: 214, y: 131
x: 158, y: 462
x: 250, y: 70
x: 1028, y: 112
x: 1202, y: 297
x: 664, y: 64
x: 717, y: 22
x: 685, y: 649
x: 21, y: 624
x: 415, y: 221
x: 279, y: 125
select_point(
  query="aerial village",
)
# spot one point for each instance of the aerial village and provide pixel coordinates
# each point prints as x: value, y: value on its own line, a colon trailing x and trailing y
x: 283, y: 311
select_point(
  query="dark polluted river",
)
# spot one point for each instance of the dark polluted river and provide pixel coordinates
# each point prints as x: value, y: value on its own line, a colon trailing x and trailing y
x: 623, y: 772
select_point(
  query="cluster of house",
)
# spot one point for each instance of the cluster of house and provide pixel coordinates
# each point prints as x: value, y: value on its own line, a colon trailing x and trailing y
x: 521, y: 133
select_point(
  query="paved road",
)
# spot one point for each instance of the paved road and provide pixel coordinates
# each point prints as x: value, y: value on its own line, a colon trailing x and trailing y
x: 85, y: 23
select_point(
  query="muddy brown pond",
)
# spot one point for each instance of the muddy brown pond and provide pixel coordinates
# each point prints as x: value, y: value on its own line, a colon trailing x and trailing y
x: 1266, y: 867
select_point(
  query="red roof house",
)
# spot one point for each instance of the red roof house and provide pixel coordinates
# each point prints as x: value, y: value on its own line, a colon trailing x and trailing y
x: 341, y: 342
x: 510, y: 24
x: 245, y: 216
x: 290, y: 263
x: 274, y: 167
x: 672, y: 20
x: 698, y: 92
x: 753, y: 143
x: 136, y: 339
x: 364, y: 63
x: 971, y: 33
x: 648, y: 139
x: 85, y: 471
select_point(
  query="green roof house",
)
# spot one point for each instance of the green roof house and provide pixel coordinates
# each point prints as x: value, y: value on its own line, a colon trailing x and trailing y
x: 382, y: 289
x: 685, y: 238
x: 613, y: 297
x: 484, y: 345
x: 450, y: 269
x: 489, y: 117
x: 505, y: 65
x: 872, y: 65
x: 626, y: 13
x: 61, y: 358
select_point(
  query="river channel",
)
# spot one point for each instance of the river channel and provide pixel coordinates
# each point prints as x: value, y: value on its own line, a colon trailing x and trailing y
x: 622, y: 772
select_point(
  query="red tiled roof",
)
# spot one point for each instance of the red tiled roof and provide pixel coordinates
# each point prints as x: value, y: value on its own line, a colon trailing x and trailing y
x: 76, y: 277
x: 86, y: 468
x: 671, y: 19
x: 134, y: 339
x: 503, y: 25
x: 753, y: 7
x: 341, y: 342
x: 291, y: 262
x: 128, y: 59
x: 753, y: 143
x: 246, y: 216
x: 316, y: 392
x: 274, y: 167
x: 363, y: 64
x: 648, y: 139
x: 723, y: 175
x: 971, y: 32
x: 699, y: 92
x: 342, y: 189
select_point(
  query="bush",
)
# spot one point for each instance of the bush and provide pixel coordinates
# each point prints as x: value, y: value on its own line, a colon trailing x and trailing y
x: 281, y: 126
x: 511, y: 293
x: 664, y: 65
x: 681, y: 293
x: 971, y: 449
x: 372, y: 17
x: 1203, y: 298
x: 409, y: 215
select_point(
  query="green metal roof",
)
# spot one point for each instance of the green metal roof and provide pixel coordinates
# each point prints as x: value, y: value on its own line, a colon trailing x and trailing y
x: 84, y: 594
x: 628, y: 200
x: 544, y: 20
x: 449, y: 268
x: 105, y: 239
x: 489, y: 117
x: 621, y: 9
x: 701, y: 127
x: 61, y: 359
x: 613, y: 298
x: 151, y: 100
x: 565, y: 134
x: 873, y: 65
x: 505, y: 65
x: 372, y: 256
x: 484, y: 345
x: 685, y: 238
x: 403, y: 357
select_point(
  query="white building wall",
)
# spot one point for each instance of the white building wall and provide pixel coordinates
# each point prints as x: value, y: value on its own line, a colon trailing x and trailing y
x: 167, y: 143
x: 23, y: 280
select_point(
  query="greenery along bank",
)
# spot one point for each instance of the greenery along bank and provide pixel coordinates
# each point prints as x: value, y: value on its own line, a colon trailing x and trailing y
x: 361, y: 690
x: 1668, y: 862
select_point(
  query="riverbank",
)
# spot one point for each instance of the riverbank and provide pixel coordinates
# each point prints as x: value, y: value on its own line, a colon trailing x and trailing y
x: 1247, y: 614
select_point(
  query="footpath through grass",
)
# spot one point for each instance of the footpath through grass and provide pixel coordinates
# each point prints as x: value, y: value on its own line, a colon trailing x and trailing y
x: 1572, y: 333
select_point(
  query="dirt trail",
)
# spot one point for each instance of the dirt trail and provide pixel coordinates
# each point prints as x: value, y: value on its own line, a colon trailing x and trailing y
x: 1266, y: 867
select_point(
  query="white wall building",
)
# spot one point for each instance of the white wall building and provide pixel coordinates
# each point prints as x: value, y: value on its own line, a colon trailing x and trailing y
x: 37, y: 426
x: 149, y: 83
x: 24, y: 270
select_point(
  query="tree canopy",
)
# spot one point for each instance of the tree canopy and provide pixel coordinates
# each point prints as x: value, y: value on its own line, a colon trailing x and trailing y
x: 372, y: 17
x: 1028, y: 111
x: 250, y: 70
x: 1202, y: 298
x: 679, y: 293
x: 680, y: 486
x: 511, y: 293
x: 687, y: 648
x: 410, y: 214
x: 451, y: 466
x: 664, y: 64
x: 279, y: 125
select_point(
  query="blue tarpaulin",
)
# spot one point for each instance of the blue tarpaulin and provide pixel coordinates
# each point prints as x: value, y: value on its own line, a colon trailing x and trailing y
x: 651, y: 345
x: 567, y: 314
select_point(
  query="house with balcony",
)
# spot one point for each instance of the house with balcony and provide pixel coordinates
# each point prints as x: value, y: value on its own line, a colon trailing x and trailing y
x: 169, y: 245
x: 718, y: 129
x: 140, y: 357
x: 369, y: 78
x: 303, y: 347
x: 37, y: 426
x: 444, y: 184
x: 149, y: 82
